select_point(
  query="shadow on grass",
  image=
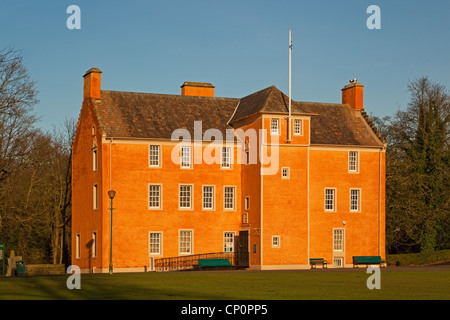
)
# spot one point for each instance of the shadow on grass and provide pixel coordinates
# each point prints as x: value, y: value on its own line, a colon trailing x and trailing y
x: 231, y: 286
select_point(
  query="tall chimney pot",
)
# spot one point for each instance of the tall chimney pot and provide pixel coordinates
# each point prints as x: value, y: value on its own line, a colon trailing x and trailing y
x: 92, y: 83
x: 352, y: 94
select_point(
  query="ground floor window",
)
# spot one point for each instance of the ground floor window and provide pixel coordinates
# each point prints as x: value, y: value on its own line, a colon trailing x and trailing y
x: 185, y: 241
x: 77, y: 246
x: 228, y: 242
x: 94, y: 244
x: 155, y: 241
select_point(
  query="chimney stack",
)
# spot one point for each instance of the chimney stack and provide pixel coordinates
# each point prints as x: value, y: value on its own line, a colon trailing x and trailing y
x: 352, y: 94
x: 92, y: 83
x: 201, y: 89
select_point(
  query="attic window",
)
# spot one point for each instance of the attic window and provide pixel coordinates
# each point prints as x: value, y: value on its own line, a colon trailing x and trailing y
x: 298, y: 127
x: 274, y: 126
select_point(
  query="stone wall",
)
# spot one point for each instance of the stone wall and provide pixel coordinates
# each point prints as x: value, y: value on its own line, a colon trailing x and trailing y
x: 44, y: 269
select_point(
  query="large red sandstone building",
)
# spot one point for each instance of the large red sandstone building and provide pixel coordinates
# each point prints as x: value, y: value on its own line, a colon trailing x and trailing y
x: 321, y: 196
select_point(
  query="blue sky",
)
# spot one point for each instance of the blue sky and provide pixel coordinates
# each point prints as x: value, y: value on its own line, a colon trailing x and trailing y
x: 239, y: 46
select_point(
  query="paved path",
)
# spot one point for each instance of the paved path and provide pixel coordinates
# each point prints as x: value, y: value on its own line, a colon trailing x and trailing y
x: 445, y: 266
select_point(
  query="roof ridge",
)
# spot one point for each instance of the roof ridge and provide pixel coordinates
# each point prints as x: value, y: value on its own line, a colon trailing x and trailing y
x: 169, y: 95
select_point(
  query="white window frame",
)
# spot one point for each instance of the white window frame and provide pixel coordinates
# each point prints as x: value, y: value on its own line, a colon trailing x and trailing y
x: 338, y: 262
x: 213, y: 197
x: 286, y: 170
x: 353, y: 162
x: 225, y: 158
x: 94, y: 244
x: 191, y: 196
x: 160, y: 196
x: 185, y: 158
x: 228, y: 241
x: 300, y: 126
x: 247, y: 203
x: 247, y: 155
x: 356, y: 201
x: 95, y: 197
x: 274, y: 132
x: 338, y: 239
x: 77, y: 246
x: 94, y: 158
x: 245, y: 218
x: 158, y: 245
x: 181, y: 246
x: 327, y: 198
x: 225, y: 197
x: 154, y: 156
x: 276, y: 241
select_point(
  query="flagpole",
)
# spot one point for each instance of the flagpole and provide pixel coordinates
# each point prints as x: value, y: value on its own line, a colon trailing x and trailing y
x: 290, y: 76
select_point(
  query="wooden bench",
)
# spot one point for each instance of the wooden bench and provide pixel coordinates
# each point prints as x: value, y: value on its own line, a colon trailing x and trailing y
x: 315, y: 261
x: 367, y: 260
x: 213, y: 263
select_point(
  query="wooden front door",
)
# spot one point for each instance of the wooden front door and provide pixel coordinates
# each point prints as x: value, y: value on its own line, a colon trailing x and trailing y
x: 243, y: 253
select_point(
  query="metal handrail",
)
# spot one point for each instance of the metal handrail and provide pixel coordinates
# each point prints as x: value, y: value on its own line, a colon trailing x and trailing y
x: 190, y: 262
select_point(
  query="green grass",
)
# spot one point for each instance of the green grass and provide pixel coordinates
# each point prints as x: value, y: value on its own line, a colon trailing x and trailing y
x: 267, y: 285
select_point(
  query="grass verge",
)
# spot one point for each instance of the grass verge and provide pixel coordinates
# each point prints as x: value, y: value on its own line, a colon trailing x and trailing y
x: 240, y: 285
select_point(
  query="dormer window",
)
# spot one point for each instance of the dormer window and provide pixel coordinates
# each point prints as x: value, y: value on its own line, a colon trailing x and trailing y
x: 274, y: 126
x: 298, y: 127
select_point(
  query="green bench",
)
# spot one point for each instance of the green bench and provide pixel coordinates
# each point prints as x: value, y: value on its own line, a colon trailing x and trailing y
x: 367, y: 260
x: 315, y: 261
x: 213, y: 263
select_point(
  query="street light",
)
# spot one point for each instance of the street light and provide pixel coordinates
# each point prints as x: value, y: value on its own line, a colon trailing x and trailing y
x: 111, y: 194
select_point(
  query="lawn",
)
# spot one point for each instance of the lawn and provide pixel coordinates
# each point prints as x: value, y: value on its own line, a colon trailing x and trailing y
x: 238, y: 285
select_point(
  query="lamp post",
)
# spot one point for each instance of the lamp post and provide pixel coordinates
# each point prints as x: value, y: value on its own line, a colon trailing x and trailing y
x: 111, y: 194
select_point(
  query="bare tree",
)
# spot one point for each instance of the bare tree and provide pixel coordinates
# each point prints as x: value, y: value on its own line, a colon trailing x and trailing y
x: 35, y: 171
x: 17, y: 96
x: 61, y: 167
